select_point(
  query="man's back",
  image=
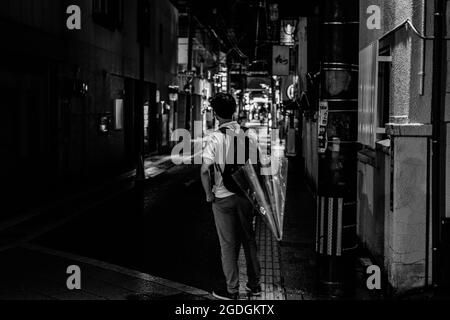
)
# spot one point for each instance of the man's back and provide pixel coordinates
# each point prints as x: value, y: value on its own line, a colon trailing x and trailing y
x: 217, y: 148
x: 230, y: 146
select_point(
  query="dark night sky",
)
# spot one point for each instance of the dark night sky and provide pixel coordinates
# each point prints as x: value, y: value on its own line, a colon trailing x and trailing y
x: 235, y: 20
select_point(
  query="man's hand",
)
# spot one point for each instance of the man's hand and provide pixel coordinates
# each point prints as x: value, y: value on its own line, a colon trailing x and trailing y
x: 206, y: 182
x: 210, y: 198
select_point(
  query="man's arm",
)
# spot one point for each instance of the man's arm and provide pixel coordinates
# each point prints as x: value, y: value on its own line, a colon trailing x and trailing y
x: 206, y: 182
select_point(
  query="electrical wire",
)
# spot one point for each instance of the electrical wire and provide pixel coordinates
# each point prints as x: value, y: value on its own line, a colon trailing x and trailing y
x: 232, y: 42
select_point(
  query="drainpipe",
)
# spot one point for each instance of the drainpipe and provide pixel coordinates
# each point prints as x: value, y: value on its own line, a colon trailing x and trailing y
x: 422, y: 50
x: 438, y: 109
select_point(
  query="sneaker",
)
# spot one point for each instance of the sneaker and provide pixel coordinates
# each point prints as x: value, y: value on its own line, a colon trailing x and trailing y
x: 225, y: 295
x: 254, y: 291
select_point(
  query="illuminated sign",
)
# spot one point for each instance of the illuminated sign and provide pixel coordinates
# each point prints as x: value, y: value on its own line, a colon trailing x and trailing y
x: 288, y: 30
x: 223, y: 72
x: 118, y: 114
x: 291, y: 92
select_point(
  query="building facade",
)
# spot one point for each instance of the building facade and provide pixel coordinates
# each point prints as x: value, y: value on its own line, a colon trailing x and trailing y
x: 74, y: 108
x: 198, y: 68
x: 399, y: 221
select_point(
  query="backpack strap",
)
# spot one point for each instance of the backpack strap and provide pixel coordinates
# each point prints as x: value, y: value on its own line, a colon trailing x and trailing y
x: 223, y: 130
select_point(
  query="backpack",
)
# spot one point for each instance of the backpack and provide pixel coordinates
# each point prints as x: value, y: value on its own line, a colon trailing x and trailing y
x: 231, y: 171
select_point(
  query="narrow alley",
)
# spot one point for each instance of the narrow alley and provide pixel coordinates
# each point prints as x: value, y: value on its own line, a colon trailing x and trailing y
x: 225, y: 150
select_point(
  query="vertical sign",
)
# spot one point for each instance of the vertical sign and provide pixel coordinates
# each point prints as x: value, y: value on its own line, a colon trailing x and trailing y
x: 323, y: 123
x: 280, y: 61
x: 223, y: 72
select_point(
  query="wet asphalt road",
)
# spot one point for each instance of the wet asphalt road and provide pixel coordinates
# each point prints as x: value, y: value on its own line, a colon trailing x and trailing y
x: 172, y: 237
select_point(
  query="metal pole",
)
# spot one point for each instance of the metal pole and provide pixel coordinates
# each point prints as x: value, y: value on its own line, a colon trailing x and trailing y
x: 241, y: 102
x: 257, y: 32
x: 336, y: 191
x: 438, y: 161
x: 140, y: 171
x: 274, y: 102
x: 191, y: 30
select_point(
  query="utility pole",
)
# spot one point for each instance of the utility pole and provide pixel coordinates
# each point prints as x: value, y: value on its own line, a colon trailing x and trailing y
x: 188, y: 88
x: 274, y: 108
x: 241, y: 100
x: 139, y: 111
x: 257, y: 33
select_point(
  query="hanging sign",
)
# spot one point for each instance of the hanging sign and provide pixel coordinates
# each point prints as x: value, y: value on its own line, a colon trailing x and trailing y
x: 280, y: 61
x: 288, y: 31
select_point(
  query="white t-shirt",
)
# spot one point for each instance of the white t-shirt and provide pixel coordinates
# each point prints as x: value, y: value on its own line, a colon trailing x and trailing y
x: 214, y: 153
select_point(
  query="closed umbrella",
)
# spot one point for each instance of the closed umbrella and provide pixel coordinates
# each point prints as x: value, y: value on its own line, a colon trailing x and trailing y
x: 267, y: 193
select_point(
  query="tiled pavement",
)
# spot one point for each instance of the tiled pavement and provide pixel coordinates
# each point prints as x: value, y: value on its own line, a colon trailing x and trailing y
x: 269, y: 256
x: 268, y: 247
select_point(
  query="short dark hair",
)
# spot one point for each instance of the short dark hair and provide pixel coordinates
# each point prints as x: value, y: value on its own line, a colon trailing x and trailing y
x: 224, y: 105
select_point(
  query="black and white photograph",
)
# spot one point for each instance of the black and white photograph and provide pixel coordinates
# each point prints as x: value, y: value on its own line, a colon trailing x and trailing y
x: 247, y: 154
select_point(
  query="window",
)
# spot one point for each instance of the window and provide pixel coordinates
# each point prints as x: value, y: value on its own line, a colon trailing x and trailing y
x: 384, y: 84
x: 367, y: 97
x: 374, y: 94
x: 108, y: 13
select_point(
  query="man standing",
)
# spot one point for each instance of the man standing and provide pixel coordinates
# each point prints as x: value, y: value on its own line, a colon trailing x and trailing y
x: 233, y: 213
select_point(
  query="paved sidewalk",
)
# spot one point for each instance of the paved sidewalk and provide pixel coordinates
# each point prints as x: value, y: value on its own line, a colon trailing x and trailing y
x: 269, y: 256
x: 268, y: 247
x: 36, y: 273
